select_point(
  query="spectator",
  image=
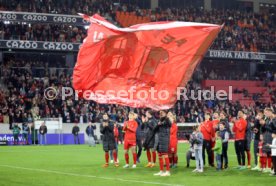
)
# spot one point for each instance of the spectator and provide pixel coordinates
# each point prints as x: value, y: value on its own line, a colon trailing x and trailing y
x: 43, y: 134
x: 25, y: 132
x: 34, y: 136
x: 16, y: 131
x: 75, y: 132
x: 90, y: 133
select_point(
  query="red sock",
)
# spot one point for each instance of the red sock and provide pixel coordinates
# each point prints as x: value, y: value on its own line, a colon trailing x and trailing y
x: 167, y: 163
x: 154, y: 157
x: 115, y: 156
x: 171, y: 160
x: 134, y: 158
x: 175, y: 159
x: 106, y: 157
x: 127, y: 158
x: 269, y: 159
x: 161, y: 162
x: 248, y: 158
x: 263, y: 162
x: 149, y: 156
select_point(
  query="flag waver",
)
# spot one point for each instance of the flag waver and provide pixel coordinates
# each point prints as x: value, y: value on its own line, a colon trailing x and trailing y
x: 159, y: 56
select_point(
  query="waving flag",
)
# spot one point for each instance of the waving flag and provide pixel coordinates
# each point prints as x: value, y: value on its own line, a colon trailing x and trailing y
x: 142, y: 65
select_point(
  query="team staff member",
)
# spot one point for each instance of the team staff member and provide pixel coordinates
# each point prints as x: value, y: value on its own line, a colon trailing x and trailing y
x: 206, y: 128
x: 130, y: 128
x: 239, y: 129
x: 163, y: 132
x: 107, y: 130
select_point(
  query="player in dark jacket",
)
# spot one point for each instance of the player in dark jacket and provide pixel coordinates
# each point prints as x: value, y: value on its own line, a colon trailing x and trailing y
x: 150, y: 124
x: 163, y: 131
x: 257, y: 130
x: 139, y: 137
x: 107, y: 130
x: 266, y: 131
x: 247, y: 141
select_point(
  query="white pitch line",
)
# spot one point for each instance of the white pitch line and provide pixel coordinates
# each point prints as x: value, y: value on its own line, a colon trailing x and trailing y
x: 88, y: 176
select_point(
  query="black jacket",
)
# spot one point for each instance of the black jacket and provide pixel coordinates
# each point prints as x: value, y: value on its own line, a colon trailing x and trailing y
x: 257, y: 126
x: 139, y: 132
x: 266, y: 131
x: 149, y: 128
x: 43, y: 130
x: 226, y: 124
x: 163, y: 130
x: 90, y: 130
x: 108, y: 136
x: 75, y: 130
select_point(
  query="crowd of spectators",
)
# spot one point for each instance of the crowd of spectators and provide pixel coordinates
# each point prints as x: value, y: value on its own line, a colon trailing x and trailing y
x: 214, y: 73
x: 70, y: 7
x: 23, y: 97
x: 43, y: 32
x: 242, y: 31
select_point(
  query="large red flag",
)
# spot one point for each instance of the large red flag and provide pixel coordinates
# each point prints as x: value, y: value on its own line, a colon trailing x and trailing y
x: 142, y: 65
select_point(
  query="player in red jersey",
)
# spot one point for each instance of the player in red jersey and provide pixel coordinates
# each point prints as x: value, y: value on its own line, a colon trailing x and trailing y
x: 239, y: 129
x: 206, y: 128
x: 173, y: 141
x: 129, y: 129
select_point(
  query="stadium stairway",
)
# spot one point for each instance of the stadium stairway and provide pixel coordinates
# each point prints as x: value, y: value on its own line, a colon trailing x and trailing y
x: 243, y: 91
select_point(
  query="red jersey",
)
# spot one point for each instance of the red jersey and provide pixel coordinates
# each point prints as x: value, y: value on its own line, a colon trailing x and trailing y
x: 206, y: 128
x: 261, y: 153
x: 116, y: 133
x: 215, y: 123
x: 130, y: 128
x: 173, y: 134
x: 239, y: 129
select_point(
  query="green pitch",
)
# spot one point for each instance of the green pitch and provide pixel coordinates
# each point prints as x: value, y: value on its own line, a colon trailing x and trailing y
x: 80, y: 165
